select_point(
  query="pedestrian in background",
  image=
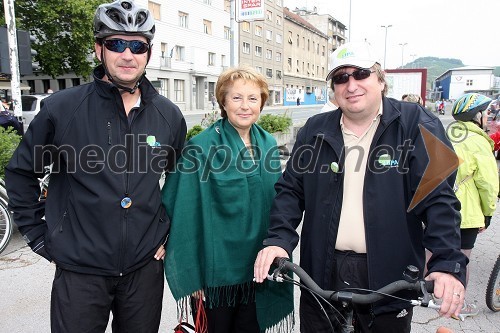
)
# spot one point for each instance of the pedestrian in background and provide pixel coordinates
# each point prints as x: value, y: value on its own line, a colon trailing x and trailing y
x: 476, y: 185
x: 298, y: 100
x: 214, y: 101
x: 350, y: 184
x: 103, y: 224
x: 331, y: 104
x: 415, y: 98
x: 218, y: 201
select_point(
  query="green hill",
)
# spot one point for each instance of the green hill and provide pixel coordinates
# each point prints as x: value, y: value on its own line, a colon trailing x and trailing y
x: 437, y: 66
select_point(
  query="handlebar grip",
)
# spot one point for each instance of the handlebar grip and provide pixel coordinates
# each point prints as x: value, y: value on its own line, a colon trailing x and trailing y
x: 429, y: 286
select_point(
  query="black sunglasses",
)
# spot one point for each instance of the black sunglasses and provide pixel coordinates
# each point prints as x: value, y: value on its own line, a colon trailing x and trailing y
x: 119, y: 45
x: 359, y: 74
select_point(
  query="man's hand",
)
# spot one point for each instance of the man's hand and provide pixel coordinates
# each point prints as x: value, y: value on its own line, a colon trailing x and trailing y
x: 264, y: 260
x: 160, y: 253
x: 450, y: 290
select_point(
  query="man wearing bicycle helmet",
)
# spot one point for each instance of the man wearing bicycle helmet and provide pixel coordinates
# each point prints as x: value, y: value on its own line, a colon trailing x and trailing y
x: 350, y: 180
x: 476, y: 185
x: 103, y: 223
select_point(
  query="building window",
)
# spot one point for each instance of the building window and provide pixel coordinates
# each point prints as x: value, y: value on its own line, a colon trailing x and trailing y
x: 245, y: 26
x: 278, y: 56
x: 289, y: 61
x: 183, y: 19
x: 279, y: 19
x: 154, y: 8
x: 227, y: 33
x: 278, y: 74
x: 323, y: 51
x: 258, y: 69
x: 207, y: 2
x: 179, y: 90
x: 269, y: 73
x: 207, y: 27
x: 258, y: 51
x: 279, y: 39
x: 227, y: 5
x: 290, y: 37
x: 298, y: 39
x: 74, y: 82
x: 164, y: 87
x: 269, y: 15
x: 269, y: 35
x: 258, y: 30
x: 61, y: 83
x: 223, y: 60
x: 246, y: 48
x: 179, y: 53
x: 298, y: 66
x: 279, y: 3
x: 277, y: 97
x: 211, y: 59
x: 269, y: 54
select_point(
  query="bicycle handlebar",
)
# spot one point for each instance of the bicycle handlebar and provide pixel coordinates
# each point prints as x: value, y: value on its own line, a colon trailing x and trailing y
x: 412, y: 283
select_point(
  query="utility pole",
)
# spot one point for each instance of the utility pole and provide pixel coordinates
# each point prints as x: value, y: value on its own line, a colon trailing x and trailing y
x: 385, y: 43
x: 232, y: 25
x: 350, y: 7
x: 402, y: 52
x: 10, y: 20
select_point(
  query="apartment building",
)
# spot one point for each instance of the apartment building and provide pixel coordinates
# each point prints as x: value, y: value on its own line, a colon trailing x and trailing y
x: 306, y: 50
x: 190, y: 49
x: 333, y: 28
x: 261, y: 46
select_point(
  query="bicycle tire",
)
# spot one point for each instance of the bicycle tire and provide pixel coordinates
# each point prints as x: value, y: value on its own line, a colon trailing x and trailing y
x: 493, y: 288
x: 5, y: 225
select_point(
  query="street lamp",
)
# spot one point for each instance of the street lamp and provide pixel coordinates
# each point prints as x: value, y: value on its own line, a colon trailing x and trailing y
x: 350, y: 20
x: 402, y: 52
x: 385, y: 43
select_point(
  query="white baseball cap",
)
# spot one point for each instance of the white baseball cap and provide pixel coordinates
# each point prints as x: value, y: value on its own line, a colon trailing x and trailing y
x: 355, y: 54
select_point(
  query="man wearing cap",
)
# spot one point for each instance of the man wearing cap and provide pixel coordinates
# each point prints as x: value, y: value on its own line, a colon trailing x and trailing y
x: 103, y: 224
x: 351, y: 178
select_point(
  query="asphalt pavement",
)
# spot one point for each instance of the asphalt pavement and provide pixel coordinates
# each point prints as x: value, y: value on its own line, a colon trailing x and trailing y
x: 26, y: 282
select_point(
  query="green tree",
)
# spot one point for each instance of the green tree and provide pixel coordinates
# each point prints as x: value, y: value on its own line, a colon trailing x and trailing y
x: 9, y: 140
x: 63, y: 31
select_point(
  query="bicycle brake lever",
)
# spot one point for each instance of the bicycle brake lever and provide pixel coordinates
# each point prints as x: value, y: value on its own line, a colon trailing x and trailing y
x: 427, y: 297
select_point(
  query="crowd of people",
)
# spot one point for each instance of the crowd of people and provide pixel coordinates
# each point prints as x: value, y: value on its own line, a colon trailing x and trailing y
x: 227, y: 209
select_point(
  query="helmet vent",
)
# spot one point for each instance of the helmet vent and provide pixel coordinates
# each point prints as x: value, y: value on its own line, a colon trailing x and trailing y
x: 126, y: 5
x: 115, y: 15
x: 141, y: 18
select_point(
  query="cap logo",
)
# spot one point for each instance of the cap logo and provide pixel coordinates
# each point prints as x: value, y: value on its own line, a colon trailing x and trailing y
x: 344, y: 54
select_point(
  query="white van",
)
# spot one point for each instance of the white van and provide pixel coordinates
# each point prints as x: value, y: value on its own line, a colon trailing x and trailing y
x: 31, y: 107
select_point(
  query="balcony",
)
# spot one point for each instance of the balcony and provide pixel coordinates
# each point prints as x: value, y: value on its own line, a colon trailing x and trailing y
x: 165, y: 62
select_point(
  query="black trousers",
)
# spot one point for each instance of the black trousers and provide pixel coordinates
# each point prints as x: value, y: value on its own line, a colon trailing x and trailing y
x: 352, y: 268
x: 83, y: 302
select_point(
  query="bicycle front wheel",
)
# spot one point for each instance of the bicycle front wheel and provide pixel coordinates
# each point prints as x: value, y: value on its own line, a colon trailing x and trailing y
x: 493, y: 288
x: 5, y: 225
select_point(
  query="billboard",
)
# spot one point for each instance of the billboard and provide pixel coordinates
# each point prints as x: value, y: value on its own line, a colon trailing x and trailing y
x: 249, y: 10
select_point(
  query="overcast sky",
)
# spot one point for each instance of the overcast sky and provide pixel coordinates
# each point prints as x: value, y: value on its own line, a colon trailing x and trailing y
x: 468, y: 30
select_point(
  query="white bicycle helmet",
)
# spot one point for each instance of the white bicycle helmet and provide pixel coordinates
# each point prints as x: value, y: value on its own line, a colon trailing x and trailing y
x: 123, y: 17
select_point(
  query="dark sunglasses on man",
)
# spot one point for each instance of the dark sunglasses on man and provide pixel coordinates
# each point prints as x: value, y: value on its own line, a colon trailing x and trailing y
x: 359, y: 74
x: 119, y: 45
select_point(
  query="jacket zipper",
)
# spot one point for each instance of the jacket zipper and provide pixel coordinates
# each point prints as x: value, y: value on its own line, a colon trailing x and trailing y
x: 109, y: 132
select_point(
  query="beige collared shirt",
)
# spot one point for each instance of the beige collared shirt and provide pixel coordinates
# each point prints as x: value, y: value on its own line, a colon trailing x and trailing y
x: 351, y: 234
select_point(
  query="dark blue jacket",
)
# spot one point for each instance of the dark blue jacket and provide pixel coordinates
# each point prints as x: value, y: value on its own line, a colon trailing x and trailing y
x: 100, y: 157
x: 395, y: 238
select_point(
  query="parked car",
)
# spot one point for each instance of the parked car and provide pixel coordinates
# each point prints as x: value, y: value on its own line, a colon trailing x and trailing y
x: 31, y: 107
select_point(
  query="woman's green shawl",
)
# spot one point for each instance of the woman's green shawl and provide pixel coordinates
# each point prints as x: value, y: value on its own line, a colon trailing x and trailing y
x: 218, y: 200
